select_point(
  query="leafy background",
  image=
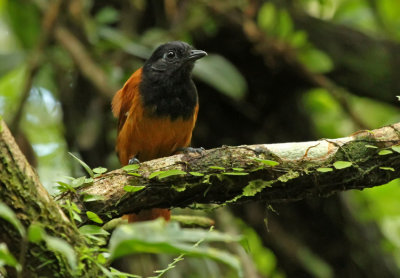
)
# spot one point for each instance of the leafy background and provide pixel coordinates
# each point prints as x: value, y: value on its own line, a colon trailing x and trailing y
x: 278, y: 71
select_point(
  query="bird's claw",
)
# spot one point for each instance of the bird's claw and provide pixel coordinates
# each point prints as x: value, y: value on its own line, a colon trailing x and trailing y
x: 133, y: 160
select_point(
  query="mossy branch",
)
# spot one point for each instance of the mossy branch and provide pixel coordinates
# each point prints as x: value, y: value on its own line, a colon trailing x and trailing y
x: 268, y: 172
x: 21, y: 190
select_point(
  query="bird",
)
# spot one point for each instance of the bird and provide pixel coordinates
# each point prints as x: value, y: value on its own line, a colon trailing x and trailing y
x: 157, y: 111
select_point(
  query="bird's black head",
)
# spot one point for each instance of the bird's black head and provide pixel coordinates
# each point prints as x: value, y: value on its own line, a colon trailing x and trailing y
x: 166, y: 87
x: 172, y: 60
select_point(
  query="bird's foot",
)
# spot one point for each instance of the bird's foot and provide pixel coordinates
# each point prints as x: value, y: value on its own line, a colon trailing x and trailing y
x: 133, y: 160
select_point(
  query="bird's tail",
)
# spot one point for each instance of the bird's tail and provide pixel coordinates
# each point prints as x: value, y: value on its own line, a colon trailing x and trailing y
x: 148, y: 214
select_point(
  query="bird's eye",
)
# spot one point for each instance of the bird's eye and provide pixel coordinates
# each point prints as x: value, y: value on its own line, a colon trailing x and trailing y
x: 170, y: 54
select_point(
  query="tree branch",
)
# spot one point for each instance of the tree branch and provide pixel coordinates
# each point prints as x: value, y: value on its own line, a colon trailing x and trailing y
x: 21, y: 190
x: 304, y: 169
x: 228, y: 175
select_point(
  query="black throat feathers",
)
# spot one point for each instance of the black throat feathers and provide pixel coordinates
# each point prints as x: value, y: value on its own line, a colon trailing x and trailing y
x: 166, y: 88
x: 167, y: 96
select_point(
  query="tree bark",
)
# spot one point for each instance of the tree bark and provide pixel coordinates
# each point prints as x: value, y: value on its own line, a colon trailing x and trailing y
x: 21, y: 190
x: 244, y: 173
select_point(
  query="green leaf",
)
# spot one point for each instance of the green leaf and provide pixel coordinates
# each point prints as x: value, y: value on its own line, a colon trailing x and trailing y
x: 268, y: 162
x: 100, y: 170
x: 255, y: 186
x: 91, y: 198
x: 298, y: 39
x: 315, y: 60
x: 8, y: 215
x: 342, y: 164
x: 221, y: 74
x: 63, y: 247
x: 396, y: 148
x: 75, y: 207
x: 132, y: 188
x: 6, y: 258
x: 324, y: 169
x: 93, y: 230
x: 88, y: 180
x: 24, y: 20
x: 134, y: 174
x: 64, y: 187
x: 387, y: 168
x: 160, y: 237
x: 285, y: 26
x: 238, y: 169
x: 155, y: 174
x: 173, y: 172
x: 216, y: 167
x: 371, y: 146
x: 94, y: 217
x: 78, y: 182
x: 197, y: 174
x: 35, y: 233
x: 117, y: 273
x: 267, y: 17
x: 73, y: 210
x: 76, y: 216
x: 107, y: 15
x: 235, y: 173
x: 84, y: 165
x: 101, y: 259
x: 290, y: 175
x: 385, y: 152
x: 131, y: 167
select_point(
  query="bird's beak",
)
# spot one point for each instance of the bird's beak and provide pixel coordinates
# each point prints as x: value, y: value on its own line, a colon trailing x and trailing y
x: 196, y: 54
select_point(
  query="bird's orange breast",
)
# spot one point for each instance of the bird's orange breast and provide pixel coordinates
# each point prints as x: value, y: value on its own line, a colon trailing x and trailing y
x: 148, y: 137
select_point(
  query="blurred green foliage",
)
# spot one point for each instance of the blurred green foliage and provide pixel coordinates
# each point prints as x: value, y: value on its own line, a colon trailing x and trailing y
x: 276, y: 22
x: 161, y: 237
x: 263, y: 258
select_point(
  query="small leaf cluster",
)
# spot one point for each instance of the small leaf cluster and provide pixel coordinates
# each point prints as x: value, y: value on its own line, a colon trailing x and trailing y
x: 340, y: 164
